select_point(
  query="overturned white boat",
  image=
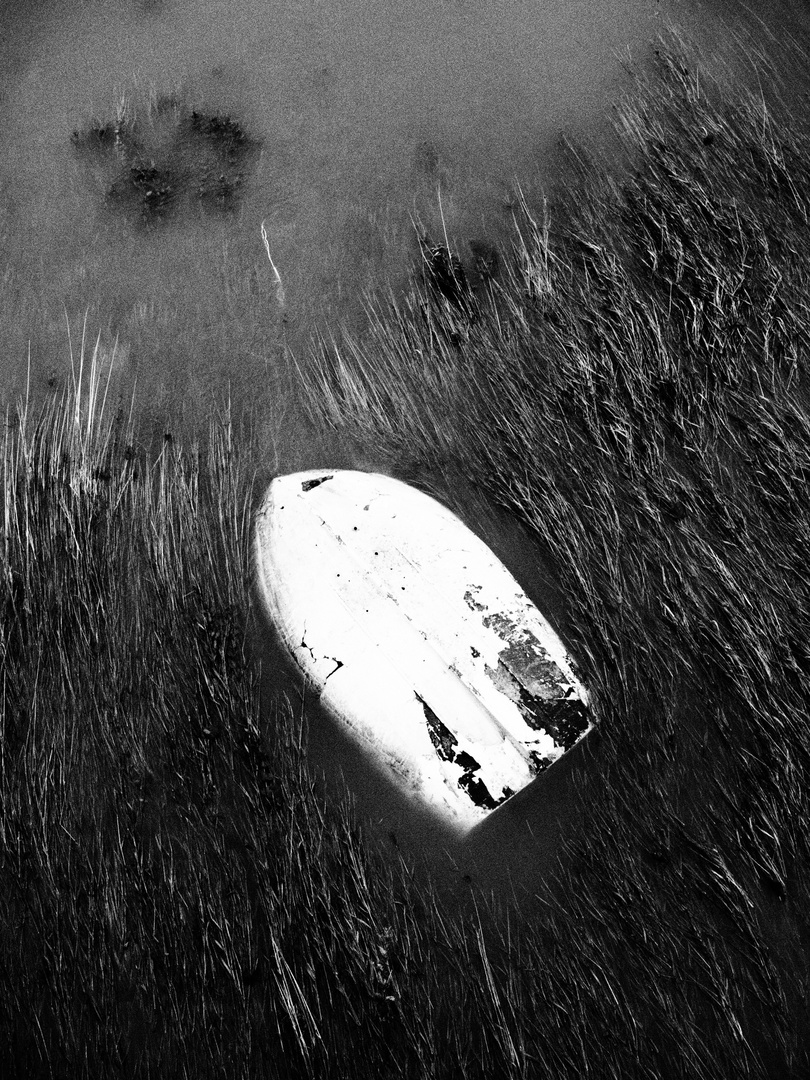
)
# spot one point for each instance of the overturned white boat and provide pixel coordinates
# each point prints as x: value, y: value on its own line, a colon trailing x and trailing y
x: 417, y: 638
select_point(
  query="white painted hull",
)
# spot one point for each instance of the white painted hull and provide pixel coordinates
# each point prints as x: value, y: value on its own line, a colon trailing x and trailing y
x: 417, y: 638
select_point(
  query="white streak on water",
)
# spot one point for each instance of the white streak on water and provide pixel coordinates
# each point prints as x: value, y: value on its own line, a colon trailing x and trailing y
x: 280, y: 294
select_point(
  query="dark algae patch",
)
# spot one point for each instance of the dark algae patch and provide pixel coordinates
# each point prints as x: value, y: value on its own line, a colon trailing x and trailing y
x: 226, y: 136
x: 145, y: 189
x: 154, y: 161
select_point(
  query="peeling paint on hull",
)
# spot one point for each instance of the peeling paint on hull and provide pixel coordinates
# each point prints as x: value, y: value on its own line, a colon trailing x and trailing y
x: 417, y: 638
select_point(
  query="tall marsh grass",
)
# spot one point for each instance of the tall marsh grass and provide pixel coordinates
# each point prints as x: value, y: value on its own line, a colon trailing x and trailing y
x: 634, y: 389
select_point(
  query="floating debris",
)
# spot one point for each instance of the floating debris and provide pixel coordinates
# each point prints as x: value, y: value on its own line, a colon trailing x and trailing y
x: 281, y: 296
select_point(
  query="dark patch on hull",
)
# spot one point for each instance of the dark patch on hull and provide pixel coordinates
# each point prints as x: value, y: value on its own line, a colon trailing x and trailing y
x: 478, y: 791
x: 529, y: 663
x: 471, y: 602
x: 467, y: 761
x: 441, y: 736
x: 551, y: 705
x: 535, y: 683
x: 539, y: 762
x: 444, y: 742
x: 565, y: 719
x: 308, y: 485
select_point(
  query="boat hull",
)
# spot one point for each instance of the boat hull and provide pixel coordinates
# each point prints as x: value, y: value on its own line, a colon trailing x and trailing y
x: 417, y: 639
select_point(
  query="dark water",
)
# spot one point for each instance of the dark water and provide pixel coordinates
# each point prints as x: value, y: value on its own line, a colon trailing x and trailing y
x: 363, y: 120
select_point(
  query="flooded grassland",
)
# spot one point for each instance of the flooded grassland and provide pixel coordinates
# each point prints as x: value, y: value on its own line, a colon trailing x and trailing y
x: 619, y: 405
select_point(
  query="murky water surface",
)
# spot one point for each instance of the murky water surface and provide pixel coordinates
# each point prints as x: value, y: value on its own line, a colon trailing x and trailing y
x: 361, y: 115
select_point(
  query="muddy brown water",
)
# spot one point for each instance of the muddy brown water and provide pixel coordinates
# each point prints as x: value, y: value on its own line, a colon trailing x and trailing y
x: 359, y: 122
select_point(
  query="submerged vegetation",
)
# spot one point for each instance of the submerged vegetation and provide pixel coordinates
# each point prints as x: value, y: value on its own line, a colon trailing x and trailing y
x: 156, y: 157
x: 177, y: 900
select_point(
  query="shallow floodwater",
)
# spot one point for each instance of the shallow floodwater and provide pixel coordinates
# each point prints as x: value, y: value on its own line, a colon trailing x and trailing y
x: 371, y: 119
x: 367, y: 122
